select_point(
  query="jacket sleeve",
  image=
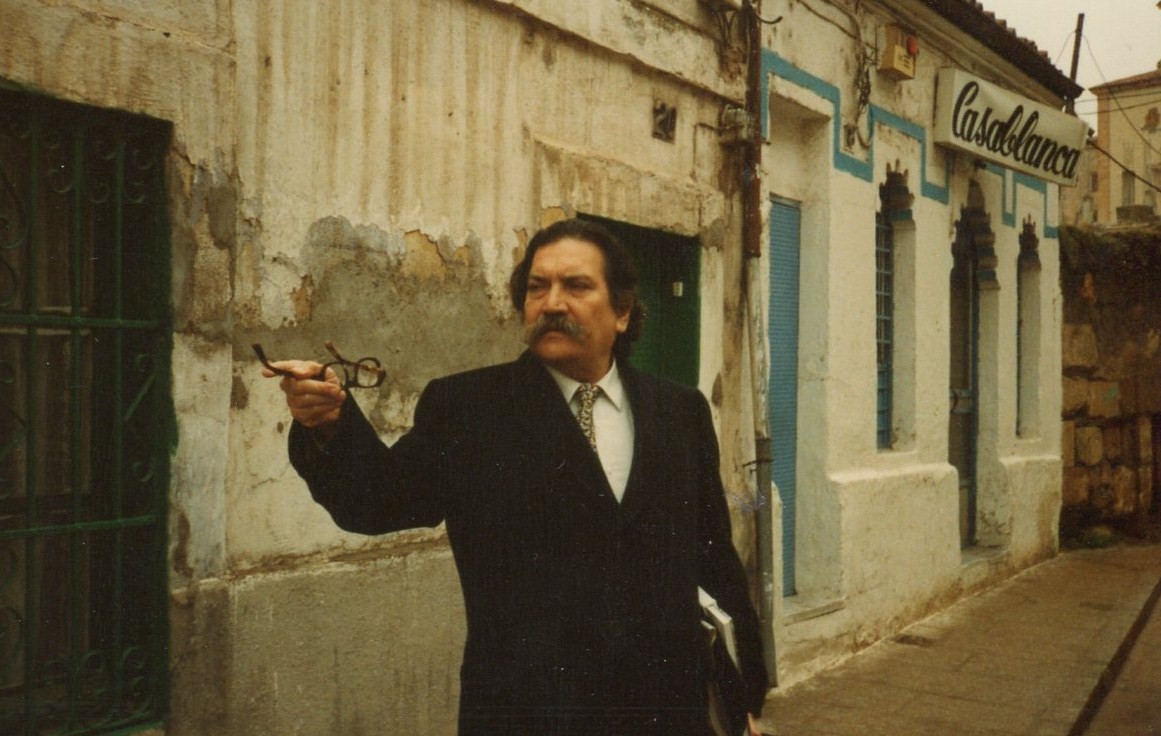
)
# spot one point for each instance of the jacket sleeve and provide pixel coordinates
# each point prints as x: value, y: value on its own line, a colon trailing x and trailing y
x: 721, y: 573
x: 368, y: 487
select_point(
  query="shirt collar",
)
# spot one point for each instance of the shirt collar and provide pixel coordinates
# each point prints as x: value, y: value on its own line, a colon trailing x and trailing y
x: 611, y: 385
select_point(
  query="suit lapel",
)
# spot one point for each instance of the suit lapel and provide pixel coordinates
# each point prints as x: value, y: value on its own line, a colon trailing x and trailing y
x: 645, y: 471
x: 552, y: 433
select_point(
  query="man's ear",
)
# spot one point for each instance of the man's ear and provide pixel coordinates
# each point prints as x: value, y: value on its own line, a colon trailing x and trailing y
x: 624, y: 317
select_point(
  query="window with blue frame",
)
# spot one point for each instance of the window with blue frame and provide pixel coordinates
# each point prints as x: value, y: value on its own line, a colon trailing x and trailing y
x: 884, y: 327
x: 1028, y: 332
x: 894, y: 312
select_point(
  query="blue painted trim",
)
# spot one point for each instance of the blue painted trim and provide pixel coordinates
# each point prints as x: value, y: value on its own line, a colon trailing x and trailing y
x: 880, y: 116
x: 773, y: 64
x: 1008, y: 196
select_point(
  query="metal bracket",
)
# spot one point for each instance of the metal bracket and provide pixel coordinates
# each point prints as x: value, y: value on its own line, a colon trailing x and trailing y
x: 735, y: 126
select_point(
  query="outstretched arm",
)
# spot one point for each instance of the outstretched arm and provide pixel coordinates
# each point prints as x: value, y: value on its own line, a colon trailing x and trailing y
x: 366, y: 487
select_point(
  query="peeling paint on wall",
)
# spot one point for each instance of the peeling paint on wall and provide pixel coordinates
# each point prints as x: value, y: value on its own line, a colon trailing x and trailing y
x: 203, y: 214
x: 301, y: 299
x: 413, y: 301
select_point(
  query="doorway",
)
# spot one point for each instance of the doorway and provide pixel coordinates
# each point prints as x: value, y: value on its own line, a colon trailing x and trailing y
x: 668, y: 275
x: 972, y: 270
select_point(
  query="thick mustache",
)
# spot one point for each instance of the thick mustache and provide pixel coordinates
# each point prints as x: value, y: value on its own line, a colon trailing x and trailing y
x: 546, y: 323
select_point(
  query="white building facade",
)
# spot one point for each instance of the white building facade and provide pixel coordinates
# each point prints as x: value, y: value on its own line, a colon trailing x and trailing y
x: 913, y: 408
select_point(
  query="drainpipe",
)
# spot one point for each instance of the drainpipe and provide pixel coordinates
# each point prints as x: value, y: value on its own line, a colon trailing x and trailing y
x: 756, y: 323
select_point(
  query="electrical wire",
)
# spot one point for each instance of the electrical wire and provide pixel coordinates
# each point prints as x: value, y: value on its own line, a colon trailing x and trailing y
x: 1140, y: 93
x: 1112, y: 158
x: 758, y: 16
x: 1064, y: 47
x: 835, y: 23
x: 1154, y: 102
x: 1113, y: 97
x: 862, y: 79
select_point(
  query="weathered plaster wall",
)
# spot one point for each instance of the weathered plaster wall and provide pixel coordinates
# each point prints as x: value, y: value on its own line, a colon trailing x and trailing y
x: 392, y: 176
x: 367, y: 172
x: 410, y: 169
x: 300, y: 651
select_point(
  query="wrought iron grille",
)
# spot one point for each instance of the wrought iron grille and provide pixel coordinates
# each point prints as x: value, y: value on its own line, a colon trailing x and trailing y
x: 884, y: 326
x: 85, y: 417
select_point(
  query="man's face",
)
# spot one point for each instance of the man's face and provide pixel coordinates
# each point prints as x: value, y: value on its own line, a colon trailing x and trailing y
x: 569, y: 320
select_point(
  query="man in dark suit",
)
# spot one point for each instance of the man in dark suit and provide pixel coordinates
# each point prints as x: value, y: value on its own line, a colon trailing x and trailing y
x: 582, y: 519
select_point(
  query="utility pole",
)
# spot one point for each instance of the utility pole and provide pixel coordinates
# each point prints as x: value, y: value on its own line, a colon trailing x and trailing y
x: 1076, y: 54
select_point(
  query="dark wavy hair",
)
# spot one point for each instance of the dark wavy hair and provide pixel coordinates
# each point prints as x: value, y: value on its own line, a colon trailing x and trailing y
x: 620, y: 274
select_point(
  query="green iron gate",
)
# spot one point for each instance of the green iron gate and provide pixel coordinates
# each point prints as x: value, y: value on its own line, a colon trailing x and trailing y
x: 85, y: 418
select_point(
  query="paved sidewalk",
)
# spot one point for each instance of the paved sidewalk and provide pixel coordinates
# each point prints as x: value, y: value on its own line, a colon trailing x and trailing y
x: 1132, y: 702
x: 1032, y: 657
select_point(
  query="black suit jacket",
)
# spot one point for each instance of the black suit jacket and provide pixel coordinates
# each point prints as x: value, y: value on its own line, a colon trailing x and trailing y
x: 582, y: 613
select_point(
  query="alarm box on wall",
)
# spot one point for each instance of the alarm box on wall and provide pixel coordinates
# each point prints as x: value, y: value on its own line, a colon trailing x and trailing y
x: 900, y: 48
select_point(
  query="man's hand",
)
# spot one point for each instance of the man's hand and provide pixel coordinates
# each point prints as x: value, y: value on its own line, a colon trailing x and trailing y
x: 314, y: 401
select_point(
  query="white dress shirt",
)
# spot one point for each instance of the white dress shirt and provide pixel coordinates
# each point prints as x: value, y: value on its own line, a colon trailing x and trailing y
x: 612, y: 424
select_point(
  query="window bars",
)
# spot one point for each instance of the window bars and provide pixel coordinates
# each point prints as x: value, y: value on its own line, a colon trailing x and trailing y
x: 85, y: 418
x: 884, y: 328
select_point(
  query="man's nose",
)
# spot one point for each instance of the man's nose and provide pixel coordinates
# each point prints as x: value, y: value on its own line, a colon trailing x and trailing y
x: 554, y: 299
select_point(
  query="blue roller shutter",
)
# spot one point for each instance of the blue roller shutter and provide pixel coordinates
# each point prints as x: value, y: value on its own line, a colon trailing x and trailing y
x: 785, y: 219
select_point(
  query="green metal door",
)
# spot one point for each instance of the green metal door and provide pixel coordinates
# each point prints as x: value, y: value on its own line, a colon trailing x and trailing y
x: 668, y: 273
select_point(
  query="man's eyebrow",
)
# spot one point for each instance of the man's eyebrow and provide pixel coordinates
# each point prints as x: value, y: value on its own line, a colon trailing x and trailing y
x: 568, y: 277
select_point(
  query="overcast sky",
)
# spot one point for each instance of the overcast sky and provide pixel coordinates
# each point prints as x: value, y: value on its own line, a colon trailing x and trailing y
x: 1121, y: 37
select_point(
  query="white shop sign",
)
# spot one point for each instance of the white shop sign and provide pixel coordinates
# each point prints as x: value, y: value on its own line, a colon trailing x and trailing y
x: 979, y: 118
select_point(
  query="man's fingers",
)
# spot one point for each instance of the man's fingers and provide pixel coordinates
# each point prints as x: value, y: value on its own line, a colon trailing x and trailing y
x: 311, y: 386
x: 299, y: 369
x: 314, y: 400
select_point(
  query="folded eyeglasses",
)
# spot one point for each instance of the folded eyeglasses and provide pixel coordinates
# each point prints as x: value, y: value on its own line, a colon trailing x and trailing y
x: 361, y: 373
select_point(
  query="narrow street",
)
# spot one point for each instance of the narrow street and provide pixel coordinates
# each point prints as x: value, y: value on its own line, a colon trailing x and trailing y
x: 1132, y: 699
x: 1032, y: 657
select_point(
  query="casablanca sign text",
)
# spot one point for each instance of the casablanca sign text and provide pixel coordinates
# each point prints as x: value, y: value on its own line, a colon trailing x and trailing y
x: 978, y: 117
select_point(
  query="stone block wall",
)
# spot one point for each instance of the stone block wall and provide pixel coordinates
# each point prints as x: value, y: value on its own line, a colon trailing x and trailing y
x: 1111, y: 402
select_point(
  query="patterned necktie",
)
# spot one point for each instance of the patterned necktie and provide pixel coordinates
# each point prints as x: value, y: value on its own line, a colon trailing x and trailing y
x: 586, y: 395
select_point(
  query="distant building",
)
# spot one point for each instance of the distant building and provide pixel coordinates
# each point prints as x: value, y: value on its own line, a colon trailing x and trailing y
x: 1129, y: 134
